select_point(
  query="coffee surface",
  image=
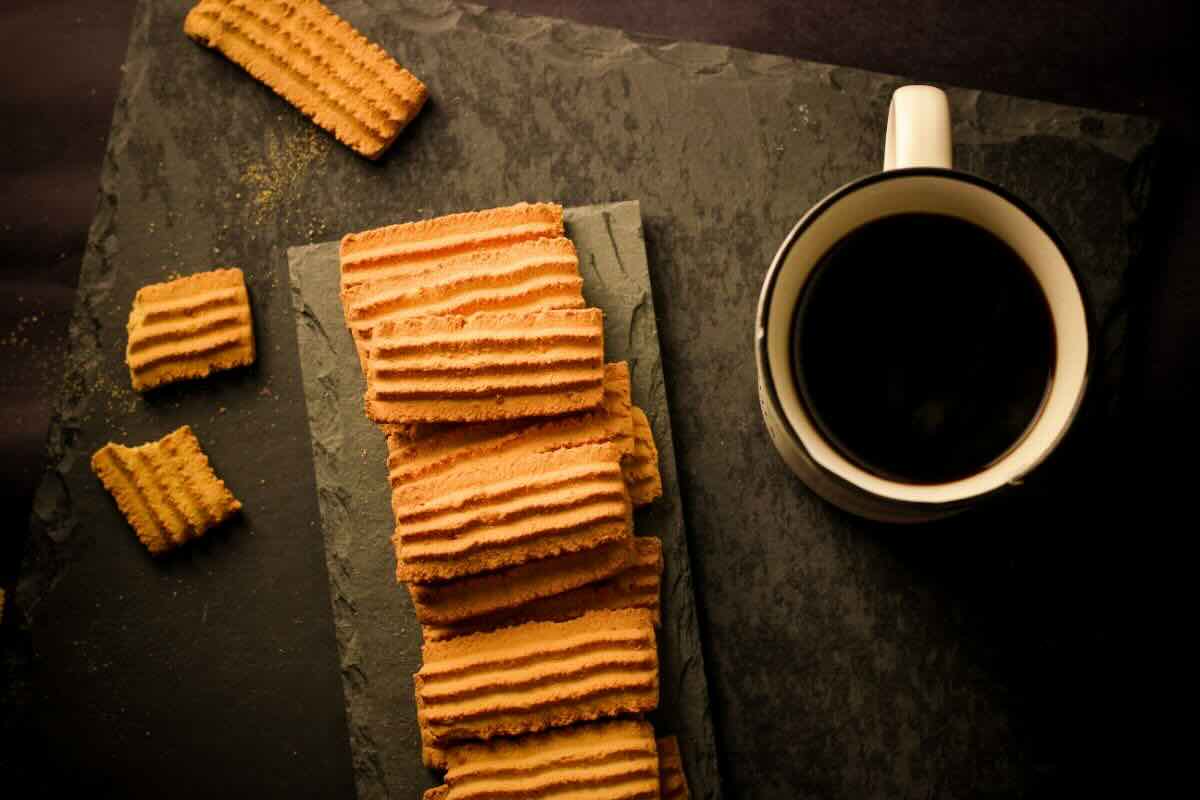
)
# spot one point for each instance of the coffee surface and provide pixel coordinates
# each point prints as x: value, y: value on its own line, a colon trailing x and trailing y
x: 922, y: 347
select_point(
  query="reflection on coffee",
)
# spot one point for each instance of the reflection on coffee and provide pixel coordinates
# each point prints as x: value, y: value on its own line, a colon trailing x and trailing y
x: 923, y: 347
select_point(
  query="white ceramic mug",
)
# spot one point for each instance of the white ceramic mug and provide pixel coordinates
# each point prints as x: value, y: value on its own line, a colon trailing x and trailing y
x: 917, y: 177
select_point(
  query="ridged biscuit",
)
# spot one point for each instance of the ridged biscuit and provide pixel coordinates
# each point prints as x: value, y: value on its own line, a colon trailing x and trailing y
x: 641, y: 469
x: 432, y: 756
x: 638, y: 585
x: 537, y: 676
x: 526, y: 276
x: 597, y: 761
x: 617, y: 416
x: 671, y: 780
x: 443, y: 447
x: 413, y: 248
x: 495, y: 513
x: 166, y: 489
x: 612, y: 422
x: 316, y: 61
x: 497, y: 593
x: 486, y: 367
x: 189, y: 328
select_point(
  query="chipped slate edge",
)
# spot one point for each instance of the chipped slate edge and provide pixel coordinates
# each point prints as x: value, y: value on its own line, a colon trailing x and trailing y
x: 319, y: 355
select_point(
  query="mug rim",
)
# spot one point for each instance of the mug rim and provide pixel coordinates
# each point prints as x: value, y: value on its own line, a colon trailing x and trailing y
x: 767, y: 378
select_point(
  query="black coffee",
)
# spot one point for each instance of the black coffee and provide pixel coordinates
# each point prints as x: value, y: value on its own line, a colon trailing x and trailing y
x: 923, y: 347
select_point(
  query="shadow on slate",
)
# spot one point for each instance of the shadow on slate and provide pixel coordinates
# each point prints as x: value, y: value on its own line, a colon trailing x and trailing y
x: 844, y: 659
x: 378, y: 635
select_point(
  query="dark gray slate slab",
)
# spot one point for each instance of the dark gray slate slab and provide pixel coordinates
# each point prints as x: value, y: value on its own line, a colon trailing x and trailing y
x: 378, y: 636
x: 844, y: 659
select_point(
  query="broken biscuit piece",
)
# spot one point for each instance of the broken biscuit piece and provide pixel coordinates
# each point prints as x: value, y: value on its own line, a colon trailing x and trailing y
x: 189, y: 328
x: 500, y: 512
x: 533, y: 275
x: 537, y: 676
x: 641, y: 469
x: 638, y: 585
x: 486, y: 367
x: 411, y: 249
x: 316, y: 61
x: 614, y: 760
x: 672, y: 782
x: 166, y: 489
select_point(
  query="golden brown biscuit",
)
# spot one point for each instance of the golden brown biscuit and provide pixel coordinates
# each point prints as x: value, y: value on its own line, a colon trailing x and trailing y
x: 638, y: 585
x: 437, y: 448
x: 437, y: 793
x: 537, y: 676
x: 432, y: 756
x: 413, y: 248
x: 617, y: 416
x: 641, y: 469
x: 672, y: 782
x: 188, y: 328
x: 486, y: 367
x: 166, y: 489
x: 501, y: 512
x: 612, y: 422
x: 316, y: 61
x: 495, y: 593
x: 532, y: 275
x: 611, y: 760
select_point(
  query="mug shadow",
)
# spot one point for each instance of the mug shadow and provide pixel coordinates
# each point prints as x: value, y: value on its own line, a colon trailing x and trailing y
x: 1041, y: 590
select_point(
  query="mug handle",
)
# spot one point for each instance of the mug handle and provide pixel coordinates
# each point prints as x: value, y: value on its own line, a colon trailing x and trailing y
x: 918, y: 129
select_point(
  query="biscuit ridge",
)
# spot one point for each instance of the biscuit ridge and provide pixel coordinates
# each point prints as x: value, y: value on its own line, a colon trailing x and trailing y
x: 672, y: 781
x: 529, y: 276
x: 411, y: 248
x: 641, y: 468
x: 316, y: 61
x: 487, y: 366
x: 495, y: 593
x: 166, y: 489
x: 614, y: 760
x: 636, y: 585
x: 429, y: 454
x: 506, y: 512
x: 537, y: 676
x: 189, y: 328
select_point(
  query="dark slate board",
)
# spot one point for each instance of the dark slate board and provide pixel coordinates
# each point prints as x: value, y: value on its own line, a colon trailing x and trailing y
x: 843, y: 658
x: 378, y: 636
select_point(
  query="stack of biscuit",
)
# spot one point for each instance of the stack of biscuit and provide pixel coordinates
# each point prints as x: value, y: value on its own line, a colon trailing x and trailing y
x: 515, y: 459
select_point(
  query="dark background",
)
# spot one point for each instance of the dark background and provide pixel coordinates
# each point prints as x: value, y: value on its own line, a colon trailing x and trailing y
x: 60, y: 66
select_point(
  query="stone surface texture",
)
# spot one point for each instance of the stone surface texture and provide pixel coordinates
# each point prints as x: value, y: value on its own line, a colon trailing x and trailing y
x: 843, y: 658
